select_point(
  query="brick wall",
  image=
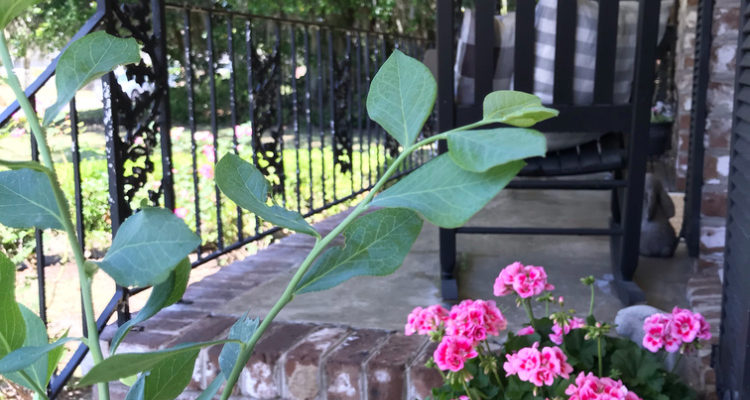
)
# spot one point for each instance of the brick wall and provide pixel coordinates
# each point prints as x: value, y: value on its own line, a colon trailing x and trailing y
x: 704, y: 289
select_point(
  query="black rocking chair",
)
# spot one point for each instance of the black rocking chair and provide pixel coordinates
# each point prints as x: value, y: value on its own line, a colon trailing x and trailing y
x: 621, y: 151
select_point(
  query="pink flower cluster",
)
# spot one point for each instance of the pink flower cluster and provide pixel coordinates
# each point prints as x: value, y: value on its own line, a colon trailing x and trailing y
x: 467, y: 324
x: 452, y: 353
x: 540, y: 367
x: 422, y: 321
x: 524, y: 280
x: 671, y: 331
x: 559, y: 331
x: 475, y: 320
x: 591, y: 387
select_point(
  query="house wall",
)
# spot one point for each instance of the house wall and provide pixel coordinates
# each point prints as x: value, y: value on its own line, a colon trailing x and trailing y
x: 704, y: 289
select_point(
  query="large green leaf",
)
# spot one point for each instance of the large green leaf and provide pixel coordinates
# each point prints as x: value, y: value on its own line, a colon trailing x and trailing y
x: 147, y: 247
x: 213, y: 388
x: 10, y: 9
x: 12, y: 325
x: 243, y: 331
x: 36, y: 370
x: 247, y: 187
x: 515, y: 108
x: 137, y: 390
x: 162, y: 295
x: 168, y: 378
x: 86, y: 59
x: 401, y: 97
x: 23, y: 357
x: 27, y: 200
x: 376, y: 244
x: 128, y: 364
x: 481, y: 150
x: 445, y: 194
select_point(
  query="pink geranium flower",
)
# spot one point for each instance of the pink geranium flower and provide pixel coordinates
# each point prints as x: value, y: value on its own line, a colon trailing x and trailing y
x: 475, y: 320
x: 527, y: 330
x: 685, y: 325
x: 423, y: 321
x: 524, y: 280
x: 591, y: 387
x: 671, y: 331
x: 453, y: 352
x: 539, y: 367
x: 559, y: 331
x: 181, y: 212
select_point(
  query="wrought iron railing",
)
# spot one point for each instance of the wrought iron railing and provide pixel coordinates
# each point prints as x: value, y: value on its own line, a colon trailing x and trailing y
x: 288, y: 95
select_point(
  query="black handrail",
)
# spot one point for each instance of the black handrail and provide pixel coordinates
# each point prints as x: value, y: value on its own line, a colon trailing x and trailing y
x: 45, y: 76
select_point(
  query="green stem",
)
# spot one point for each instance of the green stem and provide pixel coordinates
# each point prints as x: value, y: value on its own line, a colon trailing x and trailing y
x: 320, y: 245
x: 599, y: 353
x: 677, y: 362
x: 529, y: 312
x: 591, y: 303
x: 546, y: 308
x: 44, y: 153
x: 466, y: 389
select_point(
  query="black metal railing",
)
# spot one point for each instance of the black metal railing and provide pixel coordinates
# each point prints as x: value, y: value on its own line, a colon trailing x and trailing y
x: 288, y: 95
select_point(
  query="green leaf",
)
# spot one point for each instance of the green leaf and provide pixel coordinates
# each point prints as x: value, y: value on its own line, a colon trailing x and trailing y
x: 242, y: 330
x: 168, y: 378
x: 10, y: 9
x: 376, y: 244
x: 25, y: 356
x: 27, y: 200
x: 138, y: 389
x: 36, y: 370
x: 86, y: 59
x: 445, y: 194
x: 401, y: 97
x: 481, y: 150
x: 515, y: 108
x: 162, y: 295
x: 213, y: 388
x: 12, y: 325
x: 247, y: 187
x: 128, y: 364
x: 147, y: 247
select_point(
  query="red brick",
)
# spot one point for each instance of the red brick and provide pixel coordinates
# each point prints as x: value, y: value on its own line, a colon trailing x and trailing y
x: 714, y: 204
x: 386, y: 372
x: 212, y: 327
x: 344, y: 371
x: 422, y: 379
x: 301, y: 367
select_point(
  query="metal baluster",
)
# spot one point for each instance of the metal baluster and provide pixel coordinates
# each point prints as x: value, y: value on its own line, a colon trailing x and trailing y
x: 280, y: 117
x: 367, y: 118
x: 191, y: 122
x: 40, y: 265
x: 308, y: 116
x: 249, y: 57
x: 233, y: 110
x: 214, y: 123
x: 360, y: 108
x: 321, y: 112
x: 382, y: 132
x: 348, y: 114
x: 295, y: 113
x: 332, y: 106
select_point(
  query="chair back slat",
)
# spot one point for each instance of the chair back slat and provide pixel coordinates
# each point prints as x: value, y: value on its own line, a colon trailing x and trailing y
x: 484, y: 56
x: 524, y: 52
x: 565, y: 46
x: 606, y: 46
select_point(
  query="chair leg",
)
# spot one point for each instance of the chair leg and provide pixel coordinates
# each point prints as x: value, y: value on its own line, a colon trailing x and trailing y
x: 448, y: 283
x: 627, y: 253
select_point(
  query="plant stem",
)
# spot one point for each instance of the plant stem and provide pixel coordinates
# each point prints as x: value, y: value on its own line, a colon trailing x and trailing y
x: 62, y: 205
x: 466, y: 389
x: 320, y: 245
x: 529, y: 312
x: 677, y: 362
x: 591, y: 303
x: 599, y: 351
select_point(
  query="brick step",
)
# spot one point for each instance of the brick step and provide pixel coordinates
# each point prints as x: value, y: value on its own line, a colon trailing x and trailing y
x: 297, y: 360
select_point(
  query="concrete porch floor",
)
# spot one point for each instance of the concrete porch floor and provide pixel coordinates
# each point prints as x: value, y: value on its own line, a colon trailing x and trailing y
x: 384, y: 302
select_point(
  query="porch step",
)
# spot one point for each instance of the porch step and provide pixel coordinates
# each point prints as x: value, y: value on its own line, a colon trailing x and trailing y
x: 293, y: 360
x: 297, y: 360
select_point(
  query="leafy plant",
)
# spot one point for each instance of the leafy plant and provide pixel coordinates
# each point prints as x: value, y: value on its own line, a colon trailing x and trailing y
x: 151, y: 247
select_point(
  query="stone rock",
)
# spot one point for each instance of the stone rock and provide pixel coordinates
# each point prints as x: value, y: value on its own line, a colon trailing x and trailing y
x: 629, y: 321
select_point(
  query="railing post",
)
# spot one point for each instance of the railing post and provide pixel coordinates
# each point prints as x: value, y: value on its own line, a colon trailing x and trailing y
x: 162, y: 84
x: 119, y: 209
